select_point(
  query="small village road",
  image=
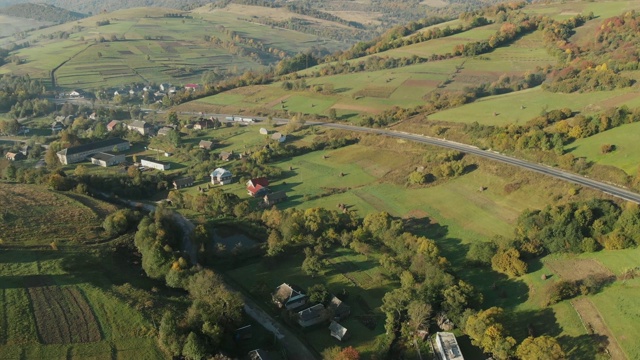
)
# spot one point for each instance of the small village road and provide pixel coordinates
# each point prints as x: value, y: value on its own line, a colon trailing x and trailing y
x: 296, y: 350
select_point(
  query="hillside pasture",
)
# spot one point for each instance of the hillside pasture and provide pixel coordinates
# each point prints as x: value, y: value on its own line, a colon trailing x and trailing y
x: 24, y: 208
x: 10, y: 25
x: 521, y: 106
x: 625, y: 156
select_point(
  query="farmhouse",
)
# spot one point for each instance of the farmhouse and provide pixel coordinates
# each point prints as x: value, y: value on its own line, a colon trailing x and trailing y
x: 313, y: 315
x: 257, y: 186
x: 274, y: 198
x: 338, y: 309
x: 112, y: 125
x: 75, y: 94
x: 14, y: 156
x: 338, y: 331
x: 164, y: 131
x: 182, y: 182
x: 204, y: 144
x: 106, y: 159
x: 287, y: 297
x: 192, y: 87
x: 155, y: 164
x: 447, y: 347
x: 142, y: 127
x: 279, y: 137
x: 221, y: 176
x: 81, y: 152
x: 204, y: 124
x: 57, y: 126
x: 227, y: 156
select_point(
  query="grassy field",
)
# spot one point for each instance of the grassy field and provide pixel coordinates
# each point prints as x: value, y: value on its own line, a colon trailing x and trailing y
x: 70, y: 218
x: 509, y: 106
x: 156, y: 49
x: 625, y: 156
x: 72, y: 301
x: 10, y: 25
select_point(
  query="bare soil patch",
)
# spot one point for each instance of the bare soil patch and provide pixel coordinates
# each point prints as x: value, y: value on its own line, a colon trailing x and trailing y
x: 376, y: 91
x: 62, y: 314
x: 421, y: 83
x: 577, y: 269
x: 595, y: 324
x: 125, y: 52
x: 619, y: 100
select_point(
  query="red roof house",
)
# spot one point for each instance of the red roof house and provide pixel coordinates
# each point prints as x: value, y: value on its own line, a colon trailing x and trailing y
x: 257, y: 186
x: 112, y: 124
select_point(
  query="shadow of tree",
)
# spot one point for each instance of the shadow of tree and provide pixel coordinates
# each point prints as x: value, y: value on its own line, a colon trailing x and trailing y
x: 584, y: 347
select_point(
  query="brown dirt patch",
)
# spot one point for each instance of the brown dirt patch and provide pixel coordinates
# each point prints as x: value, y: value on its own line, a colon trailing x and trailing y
x: 594, y: 323
x: 277, y: 101
x: 577, y: 269
x: 62, y: 314
x: 125, y: 52
x: 358, y: 108
x: 421, y: 83
x: 619, y: 100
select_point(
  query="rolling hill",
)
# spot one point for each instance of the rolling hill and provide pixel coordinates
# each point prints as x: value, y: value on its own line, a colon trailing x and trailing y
x: 41, y: 12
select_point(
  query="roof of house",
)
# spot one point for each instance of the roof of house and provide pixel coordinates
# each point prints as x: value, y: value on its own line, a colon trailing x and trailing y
x: 285, y: 292
x: 225, y: 154
x: 183, y: 181
x: 262, y: 181
x: 191, y: 85
x: 12, y: 155
x: 277, y: 136
x: 104, y: 156
x: 112, y: 124
x: 164, y: 131
x: 139, y: 124
x: 220, y: 172
x: 312, y: 312
x: 154, y: 161
x: 337, y: 306
x: 278, y: 195
x: 450, y: 348
x: 92, y: 146
x: 205, y: 144
x: 338, y: 331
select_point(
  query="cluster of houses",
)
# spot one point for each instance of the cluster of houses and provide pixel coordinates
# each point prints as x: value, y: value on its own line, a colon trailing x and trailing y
x: 155, y: 93
x: 296, y: 301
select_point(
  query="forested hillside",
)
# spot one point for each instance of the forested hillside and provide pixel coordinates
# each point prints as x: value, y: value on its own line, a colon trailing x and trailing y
x: 41, y: 12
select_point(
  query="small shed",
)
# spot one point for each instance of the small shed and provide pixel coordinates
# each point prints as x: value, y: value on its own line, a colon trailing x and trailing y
x: 227, y: 156
x: 288, y: 297
x: 338, y: 309
x: 274, y: 198
x: 183, y: 182
x: 264, y: 131
x: 14, y: 156
x: 279, y: 137
x: 338, y: 331
x: 313, y: 315
x: 205, y: 144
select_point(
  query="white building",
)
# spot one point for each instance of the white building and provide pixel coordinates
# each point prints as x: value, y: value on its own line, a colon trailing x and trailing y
x: 221, y: 176
x: 106, y: 159
x: 447, y: 347
x: 155, y: 164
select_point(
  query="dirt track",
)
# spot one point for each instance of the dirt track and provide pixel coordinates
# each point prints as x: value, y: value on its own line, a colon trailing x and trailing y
x: 594, y: 322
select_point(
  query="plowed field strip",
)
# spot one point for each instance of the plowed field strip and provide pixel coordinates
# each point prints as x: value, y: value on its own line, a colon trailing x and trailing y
x: 592, y: 319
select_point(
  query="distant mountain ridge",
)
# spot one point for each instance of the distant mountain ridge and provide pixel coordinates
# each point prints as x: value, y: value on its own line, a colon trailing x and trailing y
x: 41, y: 12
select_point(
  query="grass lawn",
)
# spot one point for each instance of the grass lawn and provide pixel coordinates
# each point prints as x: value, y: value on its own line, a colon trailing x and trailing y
x: 625, y: 156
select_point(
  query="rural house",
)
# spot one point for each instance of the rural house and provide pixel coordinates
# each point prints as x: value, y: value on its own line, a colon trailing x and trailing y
x: 205, y: 144
x: 106, y: 159
x: 155, y: 164
x: 338, y: 331
x: 75, y: 94
x: 221, y: 176
x: 274, y: 198
x: 287, y: 297
x: 226, y: 156
x: 182, y: 182
x: 313, y: 315
x: 79, y: 153
x: 447, y: 347
x: 192, y: 87
x: 14, y: 156
x: 202, y: 124
x: 112, y: 125
x: 257, y: 186
x: 338, y: 309
x: 279, y: 137
x: 140, y: 126
x: 164, y: 131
